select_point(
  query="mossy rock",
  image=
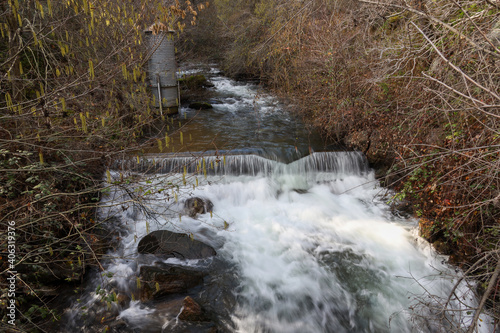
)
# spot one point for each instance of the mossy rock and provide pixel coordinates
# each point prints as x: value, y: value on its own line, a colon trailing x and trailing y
x: 195, y: 82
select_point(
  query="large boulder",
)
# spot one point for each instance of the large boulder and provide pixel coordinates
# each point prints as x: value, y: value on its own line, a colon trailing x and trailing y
x: 197, y: 205
x: 174, y: 245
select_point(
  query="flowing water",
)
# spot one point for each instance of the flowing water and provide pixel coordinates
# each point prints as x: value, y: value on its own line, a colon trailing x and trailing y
x: 305, y: 240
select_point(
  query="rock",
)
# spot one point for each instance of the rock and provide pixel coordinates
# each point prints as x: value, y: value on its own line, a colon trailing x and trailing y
x: 123, y: 300
x: 108, y: 319
x: 146, y: 293
x: 195, y: 82
x: 218, y: 298
x: 171, y: 306
x: 107, y: 316
x: 196, y: 205
x: 200, y: 105
x: 157, y: 282
x: 193, y: 317
x: 191, y: 311
x: 174, y: 245
x: 118, y: 325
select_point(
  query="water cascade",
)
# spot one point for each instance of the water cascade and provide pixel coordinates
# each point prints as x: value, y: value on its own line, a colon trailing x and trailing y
x: 340, y: 163
x: 308, y: 245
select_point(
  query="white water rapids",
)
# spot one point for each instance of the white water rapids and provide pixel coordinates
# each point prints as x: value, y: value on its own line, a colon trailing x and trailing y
x: 311, y: 246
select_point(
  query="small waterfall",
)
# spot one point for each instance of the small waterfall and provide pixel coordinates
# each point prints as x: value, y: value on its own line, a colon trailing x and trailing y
x: 211, y: 165
x: 342, y: 163
x: 305, y: 243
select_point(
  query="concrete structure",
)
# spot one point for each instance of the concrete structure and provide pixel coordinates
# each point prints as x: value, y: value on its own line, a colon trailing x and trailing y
x: 162, y: 68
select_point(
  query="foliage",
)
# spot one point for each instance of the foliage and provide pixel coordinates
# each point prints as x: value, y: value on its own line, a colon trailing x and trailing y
x: 73, y: 95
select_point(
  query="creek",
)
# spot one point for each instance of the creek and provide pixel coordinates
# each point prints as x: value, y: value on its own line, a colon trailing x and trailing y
x: 304, y: 237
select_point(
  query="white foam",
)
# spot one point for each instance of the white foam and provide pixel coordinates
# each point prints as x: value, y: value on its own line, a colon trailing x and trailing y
x: 135, y: 313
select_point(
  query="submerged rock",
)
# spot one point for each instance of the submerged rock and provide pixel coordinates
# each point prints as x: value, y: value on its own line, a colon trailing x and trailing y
x: 200, y: 105
x: 174, y: 245
x: 196, y: 205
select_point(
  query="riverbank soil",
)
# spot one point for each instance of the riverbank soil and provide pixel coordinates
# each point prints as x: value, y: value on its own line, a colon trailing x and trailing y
x: 414, y: 86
